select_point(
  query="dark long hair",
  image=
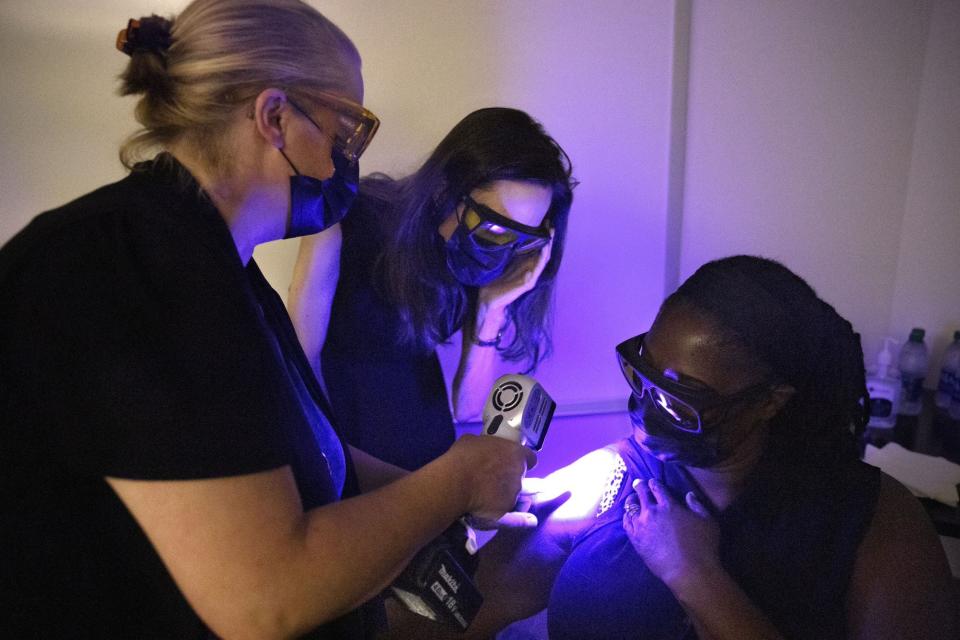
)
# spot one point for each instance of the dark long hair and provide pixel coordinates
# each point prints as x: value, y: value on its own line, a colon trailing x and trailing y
x: 779, y: 321
x: 487, y: 145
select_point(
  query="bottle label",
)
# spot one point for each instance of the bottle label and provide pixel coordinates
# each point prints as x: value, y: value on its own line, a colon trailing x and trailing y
x: 912, y: 388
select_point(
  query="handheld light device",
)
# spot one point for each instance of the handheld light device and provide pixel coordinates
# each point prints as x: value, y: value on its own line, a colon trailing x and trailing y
x: 438, y: 583
x: 518, y: 409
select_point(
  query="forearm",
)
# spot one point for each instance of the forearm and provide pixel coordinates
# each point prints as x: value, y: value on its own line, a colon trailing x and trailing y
x: 312, y: 289
x: 352, y: 550
x: 720, y: 610
x: 253, y: 564
x: 477, y: 368
x: 518, y: 568
x: 372, y: 472
x: 516, y: 573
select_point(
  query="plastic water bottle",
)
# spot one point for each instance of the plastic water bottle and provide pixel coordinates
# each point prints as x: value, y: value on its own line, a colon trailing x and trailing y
x: 949, y: 385
x: 913, y: 369
x: 883, y: 386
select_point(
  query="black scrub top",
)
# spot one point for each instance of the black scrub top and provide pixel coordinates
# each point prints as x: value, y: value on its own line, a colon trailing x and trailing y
x: 390, y: 398
x: 135, y: 344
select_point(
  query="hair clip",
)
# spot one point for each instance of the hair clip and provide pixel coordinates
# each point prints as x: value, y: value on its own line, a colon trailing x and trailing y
x: 145, y: 34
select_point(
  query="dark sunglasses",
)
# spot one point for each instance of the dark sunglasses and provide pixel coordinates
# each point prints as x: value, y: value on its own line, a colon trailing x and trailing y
x: 492, y: 229
x: 682, y: 405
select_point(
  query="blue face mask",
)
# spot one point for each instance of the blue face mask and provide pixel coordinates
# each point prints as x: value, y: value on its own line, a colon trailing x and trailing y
x: 316, y: 204
x: 474, y: 265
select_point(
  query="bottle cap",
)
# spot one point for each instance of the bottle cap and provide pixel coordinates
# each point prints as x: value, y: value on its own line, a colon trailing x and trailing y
x: 917, y: 334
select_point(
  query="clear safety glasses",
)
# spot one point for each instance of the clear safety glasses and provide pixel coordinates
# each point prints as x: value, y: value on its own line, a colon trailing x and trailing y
x: 356, y: 125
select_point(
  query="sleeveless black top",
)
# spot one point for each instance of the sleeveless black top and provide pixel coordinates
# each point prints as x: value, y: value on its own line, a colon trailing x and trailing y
x: 390, y: 399
x: 789, y: 540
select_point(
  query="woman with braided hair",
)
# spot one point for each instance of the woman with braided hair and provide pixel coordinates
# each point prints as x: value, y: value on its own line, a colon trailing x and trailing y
x: 170, y: 466
x: 738, y: 509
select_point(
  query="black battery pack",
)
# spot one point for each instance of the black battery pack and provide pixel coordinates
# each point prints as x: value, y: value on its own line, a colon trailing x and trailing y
x: 438, y: 583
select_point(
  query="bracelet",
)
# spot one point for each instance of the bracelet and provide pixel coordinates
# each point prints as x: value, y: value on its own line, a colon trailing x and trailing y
x: 489, y: 343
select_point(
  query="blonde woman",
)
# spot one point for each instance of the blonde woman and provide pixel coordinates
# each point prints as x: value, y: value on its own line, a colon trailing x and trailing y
x: 169, y: 464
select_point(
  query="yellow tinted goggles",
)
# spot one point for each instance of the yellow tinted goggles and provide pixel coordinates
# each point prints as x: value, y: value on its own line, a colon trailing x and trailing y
x: 356, y: 125
x: 493, y: 229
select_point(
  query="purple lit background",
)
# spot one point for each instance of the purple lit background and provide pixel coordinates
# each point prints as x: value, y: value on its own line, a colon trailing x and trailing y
x: 824, y: 134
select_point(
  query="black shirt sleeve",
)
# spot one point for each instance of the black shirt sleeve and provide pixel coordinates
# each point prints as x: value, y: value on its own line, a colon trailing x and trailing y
x: 149, y: 352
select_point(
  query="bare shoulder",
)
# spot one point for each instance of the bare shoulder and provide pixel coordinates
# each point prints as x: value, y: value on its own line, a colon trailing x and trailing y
x: 582, y: 487
x: 901, y: 586
x: 518, y: 567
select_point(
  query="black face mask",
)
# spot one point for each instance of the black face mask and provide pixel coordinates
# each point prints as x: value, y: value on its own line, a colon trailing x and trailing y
x: 704, y: 449
x: 474, y: 265
x: 316, y: 204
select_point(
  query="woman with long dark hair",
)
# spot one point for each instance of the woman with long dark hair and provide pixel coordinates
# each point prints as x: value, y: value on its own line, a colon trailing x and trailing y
x: 739, y: 507
x: 471, y: 241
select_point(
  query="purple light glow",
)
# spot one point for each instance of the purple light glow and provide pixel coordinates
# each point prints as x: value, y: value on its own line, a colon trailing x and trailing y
x: 586, y: 479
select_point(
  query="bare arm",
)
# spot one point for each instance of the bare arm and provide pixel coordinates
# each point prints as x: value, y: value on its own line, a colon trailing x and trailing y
x: 901, y: 585
x: 721, y: 610
x: 477, y: 368
x: 518, y: 567
x: 372, y: 472
x: 312, y: 288
x: 516, y: 574
x: 252, y: 564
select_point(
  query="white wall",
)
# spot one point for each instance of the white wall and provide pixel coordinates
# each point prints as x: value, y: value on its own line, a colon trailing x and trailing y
x: 927, y: 286
x: 800, y: 130
x: 821, y: 133
x: 60, y: 120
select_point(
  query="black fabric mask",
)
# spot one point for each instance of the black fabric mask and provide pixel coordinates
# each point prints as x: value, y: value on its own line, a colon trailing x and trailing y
x: 316, y: 204
x: 704, y: 449
x: 474, y: 265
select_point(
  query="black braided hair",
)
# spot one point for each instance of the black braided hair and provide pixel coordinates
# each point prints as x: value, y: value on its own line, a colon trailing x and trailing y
x: 778, y: 319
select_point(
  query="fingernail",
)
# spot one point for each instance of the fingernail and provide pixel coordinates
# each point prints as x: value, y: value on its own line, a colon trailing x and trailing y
x: 472, y: 546
x: 635, y: 483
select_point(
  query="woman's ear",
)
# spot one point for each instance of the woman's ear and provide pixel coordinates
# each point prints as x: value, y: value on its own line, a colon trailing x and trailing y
x: 775, y: 401
x: 269, y: 112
